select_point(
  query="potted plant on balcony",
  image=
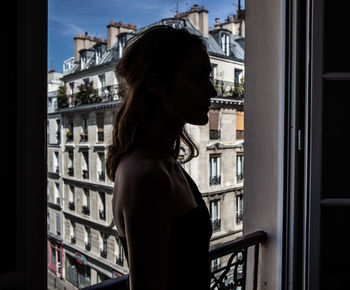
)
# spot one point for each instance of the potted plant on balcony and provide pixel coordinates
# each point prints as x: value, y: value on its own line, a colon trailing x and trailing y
x: 86, y: 94
x: 62, y: 99
x: 69, y: 135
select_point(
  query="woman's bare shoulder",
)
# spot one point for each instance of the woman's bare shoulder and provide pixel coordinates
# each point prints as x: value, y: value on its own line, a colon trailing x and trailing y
x: 141, y: 177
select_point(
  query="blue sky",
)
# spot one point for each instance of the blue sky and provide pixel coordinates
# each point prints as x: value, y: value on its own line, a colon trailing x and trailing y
x: 67, y: 18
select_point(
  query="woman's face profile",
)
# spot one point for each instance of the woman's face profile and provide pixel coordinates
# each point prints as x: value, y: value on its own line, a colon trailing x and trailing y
x: 190, y: 91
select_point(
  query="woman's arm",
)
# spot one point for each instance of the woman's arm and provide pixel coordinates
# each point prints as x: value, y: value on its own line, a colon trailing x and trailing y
x: 147, y: 212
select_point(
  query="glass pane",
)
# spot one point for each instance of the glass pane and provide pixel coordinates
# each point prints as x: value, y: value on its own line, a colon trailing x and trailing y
x: 336, y: 139
x: 335, y: 254
x: 336, y: 30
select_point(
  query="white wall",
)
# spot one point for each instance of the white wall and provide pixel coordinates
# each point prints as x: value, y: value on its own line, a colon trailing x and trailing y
x: 262, y: 134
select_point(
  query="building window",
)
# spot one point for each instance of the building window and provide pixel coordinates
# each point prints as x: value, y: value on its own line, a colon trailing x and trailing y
x: 239, y: 208
x: 57, y: 193
x: 53, y: 259
x: 102, y: 205
x: 48, y: 221
x: 87, y: 238
x: 72, y: 232
x: 225, y: 43
x: 215, y: 264
x: 101, y: 166
x: 58, y: 224
x: 84, y: 128
x: 86, y: 201
x: 58, y: 130
x: 238, y: 76
x: 103, y: 244
x: 100, y: 127
x: 118, y: 252
x: 71, y: 198
x: 69, y: 133
x: 56, y: 167
x: 214, y: 130
x: 85, y: 164
x: 214, y: 170
x: 215, y: 215
x: 121, y: 44
x: 240, y: 163
x: 77, y: 274
x: 70, y: 163
x: 214, y: 72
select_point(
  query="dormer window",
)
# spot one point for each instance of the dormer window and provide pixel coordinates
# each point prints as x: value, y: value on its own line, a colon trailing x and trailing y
x: 121, y: 44
x: 225, y: 43
x: 99, y: 51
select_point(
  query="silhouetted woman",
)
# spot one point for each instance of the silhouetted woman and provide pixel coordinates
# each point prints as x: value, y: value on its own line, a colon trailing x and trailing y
x: 162, y: 220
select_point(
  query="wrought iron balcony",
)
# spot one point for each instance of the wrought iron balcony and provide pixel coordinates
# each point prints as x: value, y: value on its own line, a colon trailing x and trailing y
x: 214, y: 134
x: 214, y: 180
x: 229, y: 275
x: 228, y: 89
x: 90, y: 96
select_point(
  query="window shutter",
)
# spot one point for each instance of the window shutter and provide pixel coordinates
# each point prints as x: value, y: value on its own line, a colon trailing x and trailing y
x: 213, y: 119
x: 100, y: 122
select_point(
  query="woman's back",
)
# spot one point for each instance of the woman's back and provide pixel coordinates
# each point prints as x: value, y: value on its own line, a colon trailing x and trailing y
x: 168, y: 210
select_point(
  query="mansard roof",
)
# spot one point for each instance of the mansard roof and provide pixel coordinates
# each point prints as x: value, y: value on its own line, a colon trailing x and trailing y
x: 213, y: 43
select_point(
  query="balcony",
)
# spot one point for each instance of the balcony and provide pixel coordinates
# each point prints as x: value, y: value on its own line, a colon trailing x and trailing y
x: 214, y: 134
x: 232, y: 90
x: 88, y: 95
x: 229, y: 275
x: 214, y: 180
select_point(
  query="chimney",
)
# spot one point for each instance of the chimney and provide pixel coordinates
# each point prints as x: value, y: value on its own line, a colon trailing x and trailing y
x: 199, y: 18
x: 84, y: 41
x: 115, y: 28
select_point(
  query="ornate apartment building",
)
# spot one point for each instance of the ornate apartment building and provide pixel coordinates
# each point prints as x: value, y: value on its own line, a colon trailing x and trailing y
x: 83, y: 247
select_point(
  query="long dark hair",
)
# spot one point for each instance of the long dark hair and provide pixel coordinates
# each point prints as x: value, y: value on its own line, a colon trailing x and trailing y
x: 158, y: 50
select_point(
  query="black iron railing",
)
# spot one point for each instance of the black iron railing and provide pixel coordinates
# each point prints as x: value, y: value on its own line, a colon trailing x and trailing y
x: 214, y: 180
x: 92, y: 96
x: 214, y: 134
x: 232, y: 275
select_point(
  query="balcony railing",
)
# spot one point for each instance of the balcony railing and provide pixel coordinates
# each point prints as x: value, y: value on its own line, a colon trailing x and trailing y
x: 231, y: 275
x: 229, y: 89
x: 215, y: 180
x: 105, y: 94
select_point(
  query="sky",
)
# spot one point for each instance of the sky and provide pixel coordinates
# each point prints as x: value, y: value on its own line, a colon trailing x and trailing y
x: 67, y: 18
